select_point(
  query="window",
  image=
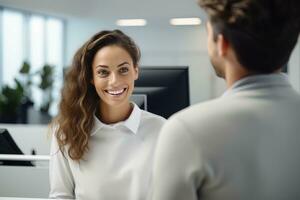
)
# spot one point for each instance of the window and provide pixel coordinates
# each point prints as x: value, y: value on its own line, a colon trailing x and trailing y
x: 35, y: 38
x: 12, y: 42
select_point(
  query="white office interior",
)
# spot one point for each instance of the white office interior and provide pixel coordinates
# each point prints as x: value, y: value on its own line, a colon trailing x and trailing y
x: 161, y: 44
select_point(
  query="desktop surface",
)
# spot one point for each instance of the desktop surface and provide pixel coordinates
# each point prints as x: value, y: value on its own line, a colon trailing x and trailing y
x: 18, y: 198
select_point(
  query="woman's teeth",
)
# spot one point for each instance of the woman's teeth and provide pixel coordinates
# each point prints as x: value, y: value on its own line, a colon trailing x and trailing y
x: 115, y: 92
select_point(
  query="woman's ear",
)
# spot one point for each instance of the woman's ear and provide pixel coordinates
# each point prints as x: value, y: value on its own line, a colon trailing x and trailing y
x: 136, y: 70
x: 92, y: 82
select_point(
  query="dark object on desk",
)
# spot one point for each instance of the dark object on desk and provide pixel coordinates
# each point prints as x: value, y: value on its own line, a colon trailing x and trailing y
x: 166, y: 89
x: 8, y: 146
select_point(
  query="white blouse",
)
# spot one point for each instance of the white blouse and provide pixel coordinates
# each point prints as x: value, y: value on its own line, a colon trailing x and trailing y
x: 117, y: 166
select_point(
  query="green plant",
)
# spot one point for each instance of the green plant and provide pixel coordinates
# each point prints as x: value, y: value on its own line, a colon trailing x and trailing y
x: 17, y: 98
x: 11, y: 100
x: 14, y: 99
x: 25, y: 79
x: 46, y: 85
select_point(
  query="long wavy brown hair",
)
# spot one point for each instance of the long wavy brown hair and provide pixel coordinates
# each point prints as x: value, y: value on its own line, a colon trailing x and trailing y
x: 79, y: 99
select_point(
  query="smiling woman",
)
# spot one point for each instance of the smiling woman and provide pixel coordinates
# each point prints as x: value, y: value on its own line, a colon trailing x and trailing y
x: 103, y: 144
x: 114, y: 74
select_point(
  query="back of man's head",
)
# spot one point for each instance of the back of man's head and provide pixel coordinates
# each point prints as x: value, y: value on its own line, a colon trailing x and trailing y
x: 262, y: 33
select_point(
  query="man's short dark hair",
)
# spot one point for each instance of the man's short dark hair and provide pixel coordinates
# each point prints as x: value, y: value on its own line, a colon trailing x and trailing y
x: 262, y: 33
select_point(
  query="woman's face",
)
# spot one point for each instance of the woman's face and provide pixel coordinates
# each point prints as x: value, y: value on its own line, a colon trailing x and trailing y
x: 113, y: 75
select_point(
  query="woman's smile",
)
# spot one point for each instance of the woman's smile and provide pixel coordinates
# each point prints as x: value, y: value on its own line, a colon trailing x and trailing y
x: 116, y: 92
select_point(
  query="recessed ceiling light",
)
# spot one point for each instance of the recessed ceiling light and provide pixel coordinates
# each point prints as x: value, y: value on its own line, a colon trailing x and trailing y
x: 131, y: 22
x: 185, y: 21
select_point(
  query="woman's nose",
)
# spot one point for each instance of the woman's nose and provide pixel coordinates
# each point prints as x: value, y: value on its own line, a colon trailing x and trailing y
x: 113, y: 79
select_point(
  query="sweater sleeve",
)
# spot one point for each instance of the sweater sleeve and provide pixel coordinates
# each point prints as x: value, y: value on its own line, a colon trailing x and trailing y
x: 177, y: 164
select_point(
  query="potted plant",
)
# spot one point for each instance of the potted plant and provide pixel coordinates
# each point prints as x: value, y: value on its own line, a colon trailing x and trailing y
x: 46, y: 85
x: 10, y: 102
x: 26, y: 77
x: 15, y: 101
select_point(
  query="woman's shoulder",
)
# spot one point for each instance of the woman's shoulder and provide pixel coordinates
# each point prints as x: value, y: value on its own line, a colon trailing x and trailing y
x: 152, y: 118
x: 151, y: 124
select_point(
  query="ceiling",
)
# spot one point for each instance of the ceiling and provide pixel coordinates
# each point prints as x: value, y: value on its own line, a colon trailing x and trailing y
x: 154, y: 11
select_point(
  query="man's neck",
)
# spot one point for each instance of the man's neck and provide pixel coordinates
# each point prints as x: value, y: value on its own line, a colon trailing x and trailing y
x: 234, y: 72
x: 233, y: 77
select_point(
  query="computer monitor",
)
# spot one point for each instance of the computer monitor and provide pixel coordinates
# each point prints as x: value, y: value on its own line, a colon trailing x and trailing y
x: 166, y: 89
x: 8, y: 146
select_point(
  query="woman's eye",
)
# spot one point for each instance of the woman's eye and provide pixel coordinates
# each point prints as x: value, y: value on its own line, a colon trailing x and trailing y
x: 102, y: 72
x: 123, y: 70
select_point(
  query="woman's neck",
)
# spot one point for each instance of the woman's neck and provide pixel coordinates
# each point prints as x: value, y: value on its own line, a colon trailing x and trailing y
x: 114, y: 114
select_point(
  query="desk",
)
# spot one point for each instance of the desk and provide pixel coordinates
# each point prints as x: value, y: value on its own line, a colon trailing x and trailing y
x: 24, y: 157
x: 23, y: 181
x: 18, y: 198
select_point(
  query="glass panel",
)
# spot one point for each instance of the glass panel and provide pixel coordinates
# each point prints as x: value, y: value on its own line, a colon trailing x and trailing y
x: 37, y: 53
x: 12, y: 40
x: 36, y: 39
x: 54, y: 29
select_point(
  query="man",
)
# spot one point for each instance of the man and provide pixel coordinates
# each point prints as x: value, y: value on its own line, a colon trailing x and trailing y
x: 246, y: 144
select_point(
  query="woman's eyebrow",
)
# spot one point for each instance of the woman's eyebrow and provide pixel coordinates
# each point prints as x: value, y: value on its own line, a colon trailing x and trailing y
x: 123, y: 63
x: 104, y: 66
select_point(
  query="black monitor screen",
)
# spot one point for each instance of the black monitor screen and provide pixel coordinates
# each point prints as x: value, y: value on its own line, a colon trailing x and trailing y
x: 166, y: 89
x: 8, y: 146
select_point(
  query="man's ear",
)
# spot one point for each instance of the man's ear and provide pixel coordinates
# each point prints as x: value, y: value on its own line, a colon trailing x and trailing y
x: 222, y: 45
x: 136, y: 69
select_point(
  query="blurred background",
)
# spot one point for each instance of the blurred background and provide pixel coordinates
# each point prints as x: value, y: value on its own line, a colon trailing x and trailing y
x: 40, y: 38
